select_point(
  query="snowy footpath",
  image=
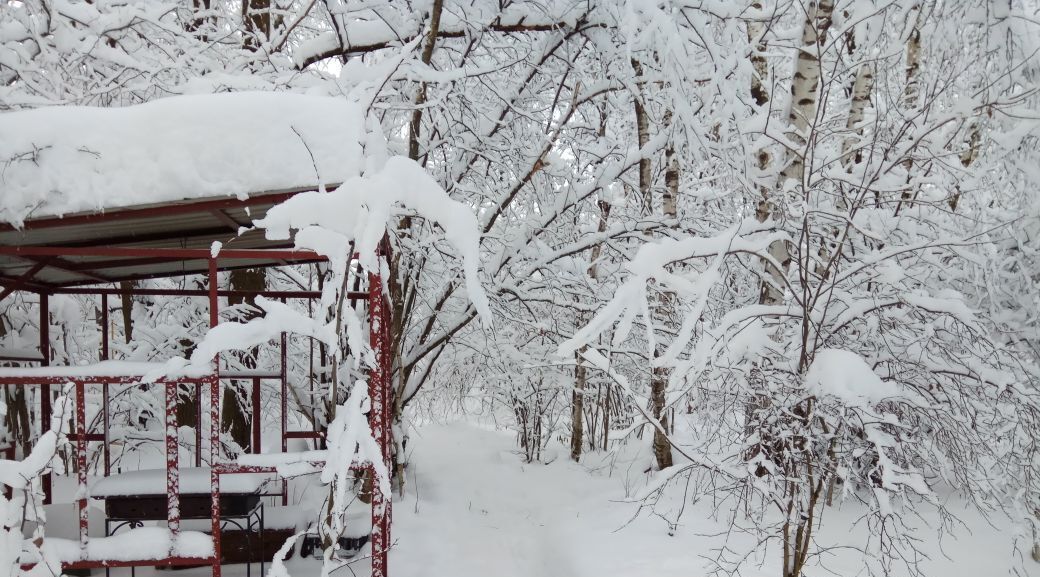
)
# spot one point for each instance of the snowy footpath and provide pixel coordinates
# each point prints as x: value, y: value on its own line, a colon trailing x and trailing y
x: 473, y: 509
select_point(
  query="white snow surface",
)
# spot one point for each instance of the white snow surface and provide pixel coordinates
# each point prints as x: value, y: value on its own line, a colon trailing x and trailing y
x: 136, y: 544
x: 472, y: 508
x: 847, y: 376
x: 61, y: 160
x: 192, y: 480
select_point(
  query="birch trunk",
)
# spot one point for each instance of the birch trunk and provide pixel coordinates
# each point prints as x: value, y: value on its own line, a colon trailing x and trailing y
x: 911, y: 92
x: 659, y: 379
x: 642, y: 137
x: 580, y: 371
x: 861, y: 91
x: 578, y: 408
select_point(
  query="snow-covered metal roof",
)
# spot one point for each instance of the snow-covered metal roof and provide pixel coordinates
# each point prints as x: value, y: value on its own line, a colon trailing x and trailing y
x: 64, y: 160
x: 181, y: 172
x: 187, y: 224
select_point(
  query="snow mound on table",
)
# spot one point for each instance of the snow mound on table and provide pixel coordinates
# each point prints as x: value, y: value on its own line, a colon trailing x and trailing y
x: 847, y: 376
x: 141, y: 544
x: 61, y: 160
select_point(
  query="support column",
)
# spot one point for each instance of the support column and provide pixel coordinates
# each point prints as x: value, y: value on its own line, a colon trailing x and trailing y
x: 378, y: 391
x: 198, y: 424
x: 214, y: 460
x: 255, y: 441
x: 214, y: 425
x: 81, y: 464
x: 45, y: 389
x: 283, y: 378
x: 173, y: 488
x: 105, y: 394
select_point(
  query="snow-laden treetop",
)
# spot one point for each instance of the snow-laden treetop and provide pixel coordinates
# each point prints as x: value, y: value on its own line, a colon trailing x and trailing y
x: 60, y: 160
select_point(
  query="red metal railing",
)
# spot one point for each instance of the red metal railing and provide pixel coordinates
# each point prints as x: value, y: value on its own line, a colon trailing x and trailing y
x: 379, y: 391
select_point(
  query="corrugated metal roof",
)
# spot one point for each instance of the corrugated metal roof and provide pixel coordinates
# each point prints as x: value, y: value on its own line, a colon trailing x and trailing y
x: 194, y: 224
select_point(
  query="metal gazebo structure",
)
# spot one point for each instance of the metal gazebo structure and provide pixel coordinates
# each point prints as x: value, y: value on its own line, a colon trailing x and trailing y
x: 83, y: 254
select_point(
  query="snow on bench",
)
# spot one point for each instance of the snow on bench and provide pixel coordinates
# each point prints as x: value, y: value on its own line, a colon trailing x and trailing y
x: 287, y: 465
x: 141, y: 544
x: 193, y: 480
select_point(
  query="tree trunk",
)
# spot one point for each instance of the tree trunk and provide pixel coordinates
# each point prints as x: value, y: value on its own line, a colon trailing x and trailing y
x: 256, y: 15
x: 578, y: 408
x: 911, y: 92
x: 127, y: 302
x: 659, y: 378
x: 642, y: 137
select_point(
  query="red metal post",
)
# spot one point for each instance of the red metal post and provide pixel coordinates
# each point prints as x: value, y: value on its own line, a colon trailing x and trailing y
x: 198, y: 424
x: 151, y: 211
x: 299, y: 294
x: 214, y: 313
x: 81, y: 463
x: 283, y: 371
x: 378, y: 390
x: 173, y: 488
x: 214, y: 424
x: 164, y: 254
x: 255, y: 442
x: 106, y: 423
x: 214, y: 464
x: 284, y: 386
x: 45, y: 389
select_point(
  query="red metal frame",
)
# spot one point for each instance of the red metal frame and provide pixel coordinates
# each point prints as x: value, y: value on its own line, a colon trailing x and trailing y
x: 379, y: 391
x: 165, y: 254
x: 158, y: 210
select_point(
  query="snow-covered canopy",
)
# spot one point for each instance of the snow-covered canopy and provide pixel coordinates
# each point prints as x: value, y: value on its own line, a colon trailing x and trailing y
x: 61, y: 160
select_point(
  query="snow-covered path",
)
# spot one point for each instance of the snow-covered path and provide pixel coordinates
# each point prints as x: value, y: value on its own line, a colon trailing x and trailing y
x: 473, y: 508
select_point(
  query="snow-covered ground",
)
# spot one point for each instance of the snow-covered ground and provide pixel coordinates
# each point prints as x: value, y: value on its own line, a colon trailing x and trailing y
x: 474, y: 509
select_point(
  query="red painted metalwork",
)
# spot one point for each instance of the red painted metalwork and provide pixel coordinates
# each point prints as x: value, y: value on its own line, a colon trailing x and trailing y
x: 214, y: 462
x: 255, y: 441
x: 163, y: 253
x: 160, y: 210
x: 45, y: 390
x: 214, y: 423
x: 140, y: 291
x: 173, y: 485
x: 183, y: 271
x: 7, y: 281
x: 198, y: 424
x: 214, y: 312
x: 19, y: 282
x: 105, y: 398
x: 379, y: 385
x: 379, y: 393
x: 283, y: 384
x: 67, y: 266
x: 81, y: 463
x: 302, y: 435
